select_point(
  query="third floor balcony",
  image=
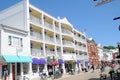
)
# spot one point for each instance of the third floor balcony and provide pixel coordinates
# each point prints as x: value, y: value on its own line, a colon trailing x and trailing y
x: 35, y: 20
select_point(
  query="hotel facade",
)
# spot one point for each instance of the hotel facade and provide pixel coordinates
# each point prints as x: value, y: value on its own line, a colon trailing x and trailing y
x: 32, y: 41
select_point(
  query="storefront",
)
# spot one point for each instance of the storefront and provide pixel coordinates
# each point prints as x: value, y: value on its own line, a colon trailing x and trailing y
x: 38, y: 66
x: 15, y: 65
x: 78, y: 64
x: 69, y: 65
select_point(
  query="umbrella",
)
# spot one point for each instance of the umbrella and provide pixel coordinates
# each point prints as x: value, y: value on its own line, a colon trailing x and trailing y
x: 54, y: 63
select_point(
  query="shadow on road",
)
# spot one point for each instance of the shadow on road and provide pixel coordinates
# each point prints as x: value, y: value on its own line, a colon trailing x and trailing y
x: 94, y: 79
x: 108, y: 78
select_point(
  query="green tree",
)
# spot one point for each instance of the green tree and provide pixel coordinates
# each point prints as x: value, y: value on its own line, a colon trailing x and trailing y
x: 109, y: 47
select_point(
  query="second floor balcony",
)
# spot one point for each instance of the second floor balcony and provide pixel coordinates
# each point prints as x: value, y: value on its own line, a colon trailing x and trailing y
x: 69, y: 56
x: 36, y: 35
x: 50, y: 53
x: 37, y: 52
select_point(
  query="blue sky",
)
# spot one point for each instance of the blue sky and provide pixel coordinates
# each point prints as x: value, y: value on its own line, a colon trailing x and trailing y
x: 98, y: 21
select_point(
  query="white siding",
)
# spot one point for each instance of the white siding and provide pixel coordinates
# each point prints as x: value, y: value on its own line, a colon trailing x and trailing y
x: 14, y: 16
x: 7, y: 49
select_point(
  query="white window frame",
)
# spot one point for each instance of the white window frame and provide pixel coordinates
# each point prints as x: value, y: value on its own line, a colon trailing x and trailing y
x: 15, y: 43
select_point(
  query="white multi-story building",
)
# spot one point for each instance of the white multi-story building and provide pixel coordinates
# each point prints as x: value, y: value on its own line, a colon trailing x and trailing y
x: 100, y: 52
x: 33, y: 41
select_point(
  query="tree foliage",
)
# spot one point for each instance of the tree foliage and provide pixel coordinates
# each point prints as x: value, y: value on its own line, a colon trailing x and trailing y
x: 109, y: 47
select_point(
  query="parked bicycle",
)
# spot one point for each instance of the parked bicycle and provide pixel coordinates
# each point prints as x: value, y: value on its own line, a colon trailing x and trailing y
x: 43, y: 76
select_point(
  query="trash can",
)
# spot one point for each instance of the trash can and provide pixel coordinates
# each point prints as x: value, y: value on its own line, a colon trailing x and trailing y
x: 72, y: 72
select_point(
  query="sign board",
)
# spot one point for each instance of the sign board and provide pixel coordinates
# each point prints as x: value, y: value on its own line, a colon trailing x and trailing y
x: 102, y: 2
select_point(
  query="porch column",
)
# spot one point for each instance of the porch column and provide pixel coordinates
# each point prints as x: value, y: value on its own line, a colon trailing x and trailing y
x: 63, y: 66
x: 80, y: 66
x: 11, y: 71
x: 46, y: 69
x: 15, y: 70
x: 76, y: 67
x: 30, y: 68
x: 21, y: 68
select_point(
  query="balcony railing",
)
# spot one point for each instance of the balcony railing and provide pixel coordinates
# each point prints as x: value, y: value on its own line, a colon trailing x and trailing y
x: 36, y: 52
x: 57, y: 29
x: 48, y: 25
x: 50, y: 53
x: 68, y: 43
x: 70, y: 55
x: 67, y: 32
x: 49, y: 39
x: 35, y: 20
x: 36, y: 35
x: 57, y: 41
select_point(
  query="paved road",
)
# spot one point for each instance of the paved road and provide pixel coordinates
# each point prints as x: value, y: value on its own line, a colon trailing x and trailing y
x: 85, y: 75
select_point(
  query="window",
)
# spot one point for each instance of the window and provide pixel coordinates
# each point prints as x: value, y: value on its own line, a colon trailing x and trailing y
x: 15, y: 41
x: 34, y: 68
x: 18, y: 69
x: 25, y: 68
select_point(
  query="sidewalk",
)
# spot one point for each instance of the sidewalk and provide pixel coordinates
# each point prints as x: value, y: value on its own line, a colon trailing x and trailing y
x: 63, y: 76
x: 77, y: 76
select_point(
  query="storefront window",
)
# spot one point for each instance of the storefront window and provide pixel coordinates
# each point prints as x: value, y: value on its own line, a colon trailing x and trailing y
x: 41, y: 67
x: 18, y: 69
x: 25, y: 68
x: 34, y: 68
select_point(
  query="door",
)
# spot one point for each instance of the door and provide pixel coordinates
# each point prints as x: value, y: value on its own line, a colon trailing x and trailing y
x: 13, y: 71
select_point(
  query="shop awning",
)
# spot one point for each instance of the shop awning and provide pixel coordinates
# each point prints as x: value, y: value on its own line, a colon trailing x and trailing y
x: 60, y: 61
x: 35, y: 61
x: 25, y: 59
x: 42, y: 61
x: 2, y: 62
x: 54, y: 63
x: 78, y: 61
x: 11, y: 58
x: 86, y: 62
x: 38, y: 61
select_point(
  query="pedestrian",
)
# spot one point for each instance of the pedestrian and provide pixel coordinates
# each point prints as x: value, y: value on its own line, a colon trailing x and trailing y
x: 102, y: 68
x: 5, y: 73
x: 50, y: 72
x: 111, y: 72
x: 93, y: 68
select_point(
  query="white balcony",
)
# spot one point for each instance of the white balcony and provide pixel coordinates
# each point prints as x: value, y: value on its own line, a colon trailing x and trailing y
x: 35, y: 20
x: 36, y: 52
x: 57, y: 29
x: 67, y: 32
x: 50, y: 53
x: 69, y: 56
x: 36, y: 36
x: 68, y: 43
x: 58, y: 41
x: 49, y: 39
x: 48, y: 26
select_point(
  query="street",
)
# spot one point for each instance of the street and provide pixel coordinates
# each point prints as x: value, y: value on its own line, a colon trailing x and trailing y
x: 86, y: 75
